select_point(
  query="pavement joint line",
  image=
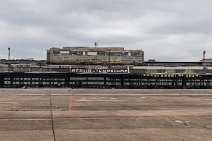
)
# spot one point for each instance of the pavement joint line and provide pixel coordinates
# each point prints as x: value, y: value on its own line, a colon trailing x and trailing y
x: 24, y: 119
x: 8, y: 102
x: 99, y: 100
x: 51, y: 112
x: 108, y: 94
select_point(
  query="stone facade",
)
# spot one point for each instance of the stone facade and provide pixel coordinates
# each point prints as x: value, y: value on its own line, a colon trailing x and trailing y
x: 100, y: 55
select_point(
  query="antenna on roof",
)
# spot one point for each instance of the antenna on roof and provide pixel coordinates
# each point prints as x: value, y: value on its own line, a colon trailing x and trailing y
x: 96, y: 44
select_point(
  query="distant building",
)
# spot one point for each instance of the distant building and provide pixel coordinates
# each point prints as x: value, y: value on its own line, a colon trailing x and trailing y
x: 207, y: 62
x: 91, y: 55
x: 23, y: 61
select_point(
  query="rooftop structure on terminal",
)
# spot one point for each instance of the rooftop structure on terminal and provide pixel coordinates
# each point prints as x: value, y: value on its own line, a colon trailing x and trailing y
x: 94, y: 55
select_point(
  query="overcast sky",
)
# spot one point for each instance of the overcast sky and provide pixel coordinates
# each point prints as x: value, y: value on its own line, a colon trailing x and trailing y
x: 167, y: 30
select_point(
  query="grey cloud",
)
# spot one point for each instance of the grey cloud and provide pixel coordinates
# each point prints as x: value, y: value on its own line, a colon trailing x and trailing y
x: 167, y: 30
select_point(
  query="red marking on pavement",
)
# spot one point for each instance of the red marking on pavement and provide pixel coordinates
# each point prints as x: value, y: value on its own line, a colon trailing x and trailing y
x: 70, y: 104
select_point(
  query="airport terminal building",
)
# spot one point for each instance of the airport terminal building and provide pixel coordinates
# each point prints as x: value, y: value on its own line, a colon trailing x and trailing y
x: 94, y: 55
x: 109, y: 67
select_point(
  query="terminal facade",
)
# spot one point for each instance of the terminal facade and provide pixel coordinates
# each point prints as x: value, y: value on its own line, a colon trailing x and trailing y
x: 94, y: 55
x: 115, y: 67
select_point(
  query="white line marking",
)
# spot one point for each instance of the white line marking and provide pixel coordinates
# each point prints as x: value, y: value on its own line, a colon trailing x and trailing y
x: 23, y: 119
x: 208, y: 99
x: 108, y: 94
x: 97, y: 100
x: 8, y: 102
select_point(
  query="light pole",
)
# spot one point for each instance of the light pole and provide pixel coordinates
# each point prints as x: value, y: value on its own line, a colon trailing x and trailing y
x: 8, y: 59
x: 8, y: 53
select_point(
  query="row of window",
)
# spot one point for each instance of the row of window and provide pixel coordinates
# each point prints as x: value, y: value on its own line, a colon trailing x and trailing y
x: 164, y: 71
x: 111, y: 83
x: 34, y: 83
x: 99, y: 53
x: 84, y: 79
